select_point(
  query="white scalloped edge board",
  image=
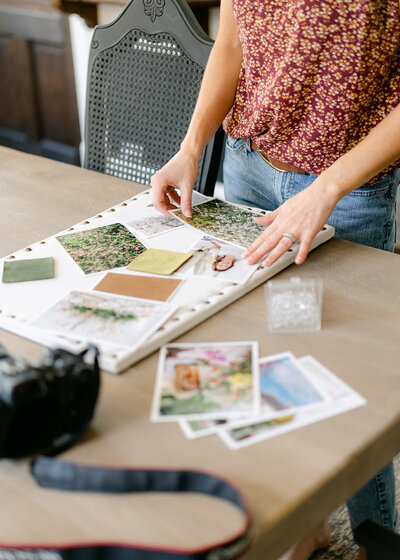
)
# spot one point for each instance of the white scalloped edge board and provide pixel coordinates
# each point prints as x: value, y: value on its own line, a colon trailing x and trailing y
x: 197, y: 299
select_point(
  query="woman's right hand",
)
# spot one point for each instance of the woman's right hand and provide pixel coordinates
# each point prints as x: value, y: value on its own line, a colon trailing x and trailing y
x: 180, y: 173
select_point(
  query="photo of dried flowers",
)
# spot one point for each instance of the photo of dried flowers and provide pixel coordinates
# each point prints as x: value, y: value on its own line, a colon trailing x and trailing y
x: 154, y: 224
x: 95, y: 316
x: 203, y: 381
x: 223, y: 220
x: 102, y: 248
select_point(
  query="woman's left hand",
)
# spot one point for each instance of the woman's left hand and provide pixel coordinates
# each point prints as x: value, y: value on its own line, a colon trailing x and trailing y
x: 303, y: 216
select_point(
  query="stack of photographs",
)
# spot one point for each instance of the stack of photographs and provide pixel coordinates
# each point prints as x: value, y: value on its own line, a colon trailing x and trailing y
x: 226, y: 389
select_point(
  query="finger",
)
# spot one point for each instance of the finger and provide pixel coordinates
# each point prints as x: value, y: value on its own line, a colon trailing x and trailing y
x: 171, y: 206
x: 160, y: 198
x: 186, y: 202
x: 174, y: 195
x: 253, y: 247
x: 266, y: 245
x: 267, y: 219
x: 283, y: 246
x: 260, y: 239
x: 303, y: 250
x: 163, y: 205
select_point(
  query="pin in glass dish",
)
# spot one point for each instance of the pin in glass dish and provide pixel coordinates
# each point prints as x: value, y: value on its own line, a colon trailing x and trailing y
x: 294, y: 304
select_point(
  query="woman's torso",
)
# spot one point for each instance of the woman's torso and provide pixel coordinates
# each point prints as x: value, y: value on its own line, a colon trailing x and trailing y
x: 316, y: 76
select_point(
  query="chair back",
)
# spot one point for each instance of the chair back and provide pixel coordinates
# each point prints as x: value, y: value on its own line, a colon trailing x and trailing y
x: 144, y: 75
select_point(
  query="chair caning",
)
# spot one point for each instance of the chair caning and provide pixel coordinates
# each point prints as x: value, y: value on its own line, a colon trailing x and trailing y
x: 142, y: 94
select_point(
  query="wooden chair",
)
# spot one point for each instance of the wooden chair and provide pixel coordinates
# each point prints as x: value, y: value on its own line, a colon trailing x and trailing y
x: 144, y: 75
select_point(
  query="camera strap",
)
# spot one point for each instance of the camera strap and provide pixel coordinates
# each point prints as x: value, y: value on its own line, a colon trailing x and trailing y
x: 61, y: 475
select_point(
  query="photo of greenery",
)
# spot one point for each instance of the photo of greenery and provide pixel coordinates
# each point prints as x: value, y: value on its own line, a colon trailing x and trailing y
x: 102, y: 248
x: 99, y: 317
x: 226, y: 221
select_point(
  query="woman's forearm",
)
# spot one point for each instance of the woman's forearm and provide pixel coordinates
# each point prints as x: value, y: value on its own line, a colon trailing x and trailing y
x: 218, y: 87
x: 375, y: 152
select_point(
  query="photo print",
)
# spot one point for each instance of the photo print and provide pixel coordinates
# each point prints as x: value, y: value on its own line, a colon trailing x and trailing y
x: 154, y: 224
x: 341, y: 399
x: 285, y: 388
x: 202, y: 381
x: 95, y: 316
x: 197, y: 198
x: 221, y: 219
x: 215, y: 258
x: 102, y: 248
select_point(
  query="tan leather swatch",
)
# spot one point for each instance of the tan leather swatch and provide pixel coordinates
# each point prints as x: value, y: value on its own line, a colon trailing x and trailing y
x: 145, y: 287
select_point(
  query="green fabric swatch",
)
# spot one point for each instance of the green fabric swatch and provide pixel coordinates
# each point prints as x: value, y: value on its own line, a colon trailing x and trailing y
x: 28, y: 269
x: 158, y: 261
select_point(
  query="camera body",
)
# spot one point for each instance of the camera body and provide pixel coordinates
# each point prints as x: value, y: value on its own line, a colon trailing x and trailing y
x: 46, y: 406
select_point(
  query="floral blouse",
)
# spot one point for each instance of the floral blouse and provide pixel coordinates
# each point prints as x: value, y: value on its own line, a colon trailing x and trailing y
x: 316, y: 76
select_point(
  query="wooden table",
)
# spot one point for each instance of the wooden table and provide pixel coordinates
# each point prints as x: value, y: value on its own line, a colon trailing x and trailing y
x: 292, y: 481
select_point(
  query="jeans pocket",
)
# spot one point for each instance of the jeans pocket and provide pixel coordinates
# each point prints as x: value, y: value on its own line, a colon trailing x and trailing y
x: 379, y: 189
x: 235, y: 144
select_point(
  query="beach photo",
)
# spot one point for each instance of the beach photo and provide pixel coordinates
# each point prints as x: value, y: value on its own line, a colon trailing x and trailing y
x: 285, y: 385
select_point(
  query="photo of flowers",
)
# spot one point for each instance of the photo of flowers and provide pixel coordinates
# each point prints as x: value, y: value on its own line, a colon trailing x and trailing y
x: 154, y: 224
x: 223, y: 220
x: 215, y: 258
x: 102, y: 248
x: 103, y: 317
x: 203, y: 381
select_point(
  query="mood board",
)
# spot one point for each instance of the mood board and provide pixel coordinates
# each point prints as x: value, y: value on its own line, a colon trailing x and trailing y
x: 81, y: 297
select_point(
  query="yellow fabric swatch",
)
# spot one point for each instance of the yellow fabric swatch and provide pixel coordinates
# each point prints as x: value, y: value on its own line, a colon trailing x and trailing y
x: 158, y: 261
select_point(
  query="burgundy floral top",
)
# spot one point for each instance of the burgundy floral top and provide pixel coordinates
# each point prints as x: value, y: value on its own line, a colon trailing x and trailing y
x: 316, y: 76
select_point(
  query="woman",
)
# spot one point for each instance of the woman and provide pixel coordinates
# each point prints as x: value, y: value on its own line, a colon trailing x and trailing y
x: 309, y: 94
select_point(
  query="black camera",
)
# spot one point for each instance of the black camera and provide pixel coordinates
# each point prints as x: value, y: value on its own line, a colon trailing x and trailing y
x: 46, y: 406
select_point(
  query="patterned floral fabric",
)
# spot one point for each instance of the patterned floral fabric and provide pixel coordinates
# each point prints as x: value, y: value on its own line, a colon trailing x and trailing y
x: 316, y: 76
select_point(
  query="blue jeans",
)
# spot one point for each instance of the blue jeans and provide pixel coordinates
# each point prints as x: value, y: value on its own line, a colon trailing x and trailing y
x: 367, y: 216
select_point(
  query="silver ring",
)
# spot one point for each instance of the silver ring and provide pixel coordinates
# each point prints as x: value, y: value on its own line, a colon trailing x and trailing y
x: 292, y: 237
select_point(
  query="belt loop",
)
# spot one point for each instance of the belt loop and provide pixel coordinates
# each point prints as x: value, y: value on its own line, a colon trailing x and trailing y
x: 248, y: 144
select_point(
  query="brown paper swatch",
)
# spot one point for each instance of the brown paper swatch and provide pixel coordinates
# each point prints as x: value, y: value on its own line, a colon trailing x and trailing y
x: 145, y: 287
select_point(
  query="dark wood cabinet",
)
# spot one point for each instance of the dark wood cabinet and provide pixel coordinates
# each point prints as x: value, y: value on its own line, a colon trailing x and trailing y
x: 38, y: 108
x: 88, y: 9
